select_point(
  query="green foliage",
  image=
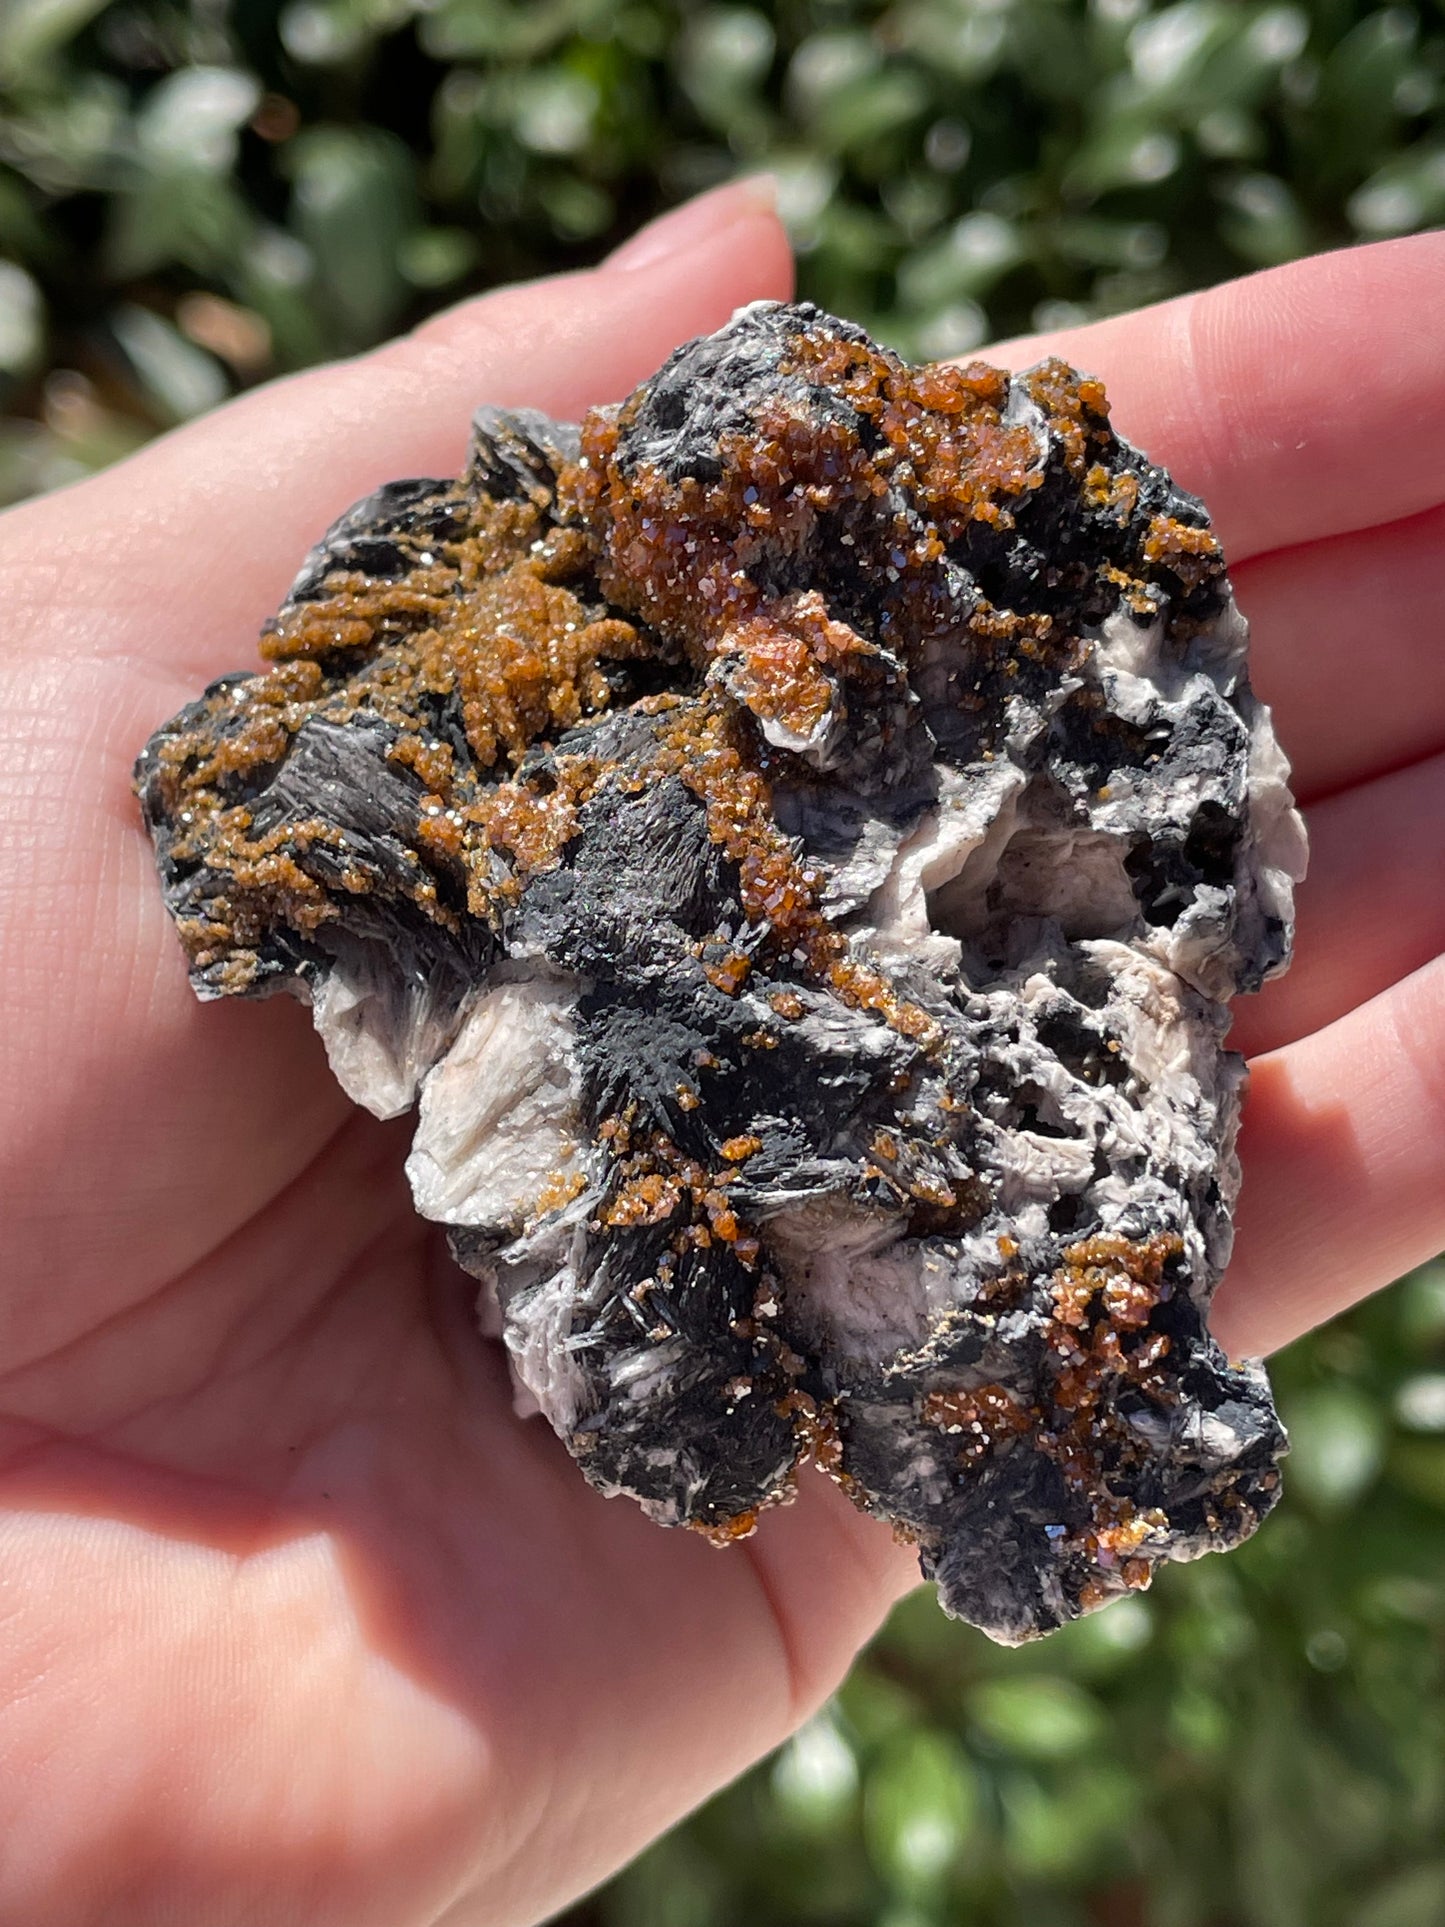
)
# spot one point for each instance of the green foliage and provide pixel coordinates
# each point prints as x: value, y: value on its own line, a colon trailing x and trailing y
x: 1258, y: 1742
x: 197, y: 193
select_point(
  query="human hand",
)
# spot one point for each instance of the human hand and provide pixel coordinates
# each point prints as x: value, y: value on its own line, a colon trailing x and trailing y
x: 297, y: 1622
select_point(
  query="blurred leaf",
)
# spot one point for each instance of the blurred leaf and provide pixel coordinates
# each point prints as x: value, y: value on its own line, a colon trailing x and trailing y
x: 180, y: 379
x: 1407, y: 192
x: 815, y: 1777
x: 1415, y: 1898
x: 190, y: 119
x: 668, y: 1887
x: 976, y: 251
x: 1337, y: 1443
x: 855, y: 120
x: 1052, y: 45
x: 1421, y: 1301
x: 1199, y: 1722
x: 1264, y: 222
x: 552, y: 111
x: 1075, y: 1823
x: 1420, y: 1403
x: 354, y: 205
x: 806, y: 184
x: 578, y: 209
x: 1094, y: 242
x: 1168, y: 50
x: 185, y: 216
x: 1124, y: 150
x: 1243, y: 66
x: 76, y: 142
x: 921, y: 1808
x: 435, y: 257
x: 21, y: 231
x: 1228, y: 133
x: 722, y: 55
x: 827, y: 67
x: 1276, y: 1872
x: 965, y: 43
x: 1358, y: 92
x: 516, y: 30
x: 877, y: 1706
x: 1036, y: 1717
x: 32, y: 30
x: 34, y: 456
x: 1103, y: 1643
x: 273, y: 273
x: 1419, y: 1465
x: 22, y: 321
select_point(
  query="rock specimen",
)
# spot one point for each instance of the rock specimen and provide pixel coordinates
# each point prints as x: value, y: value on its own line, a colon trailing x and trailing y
x: 797, y: 834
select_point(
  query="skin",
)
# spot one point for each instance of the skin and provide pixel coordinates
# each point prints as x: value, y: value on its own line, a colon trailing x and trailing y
x: 297, y: 1622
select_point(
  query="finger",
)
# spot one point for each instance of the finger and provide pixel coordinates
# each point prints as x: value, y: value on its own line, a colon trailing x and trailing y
x: 1371, y: 910
x: 818, y: 1556
x: 1302, y: 402
x: 1345, y: 645
x: 1343, y: 1150
x: 223, y: 511
x: 137, y: 1127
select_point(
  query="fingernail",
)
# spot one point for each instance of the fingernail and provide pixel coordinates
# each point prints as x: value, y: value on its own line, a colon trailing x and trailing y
x: 682, y: 227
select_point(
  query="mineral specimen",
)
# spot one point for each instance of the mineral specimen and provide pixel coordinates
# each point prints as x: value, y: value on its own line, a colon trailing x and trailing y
x: 797, y: 834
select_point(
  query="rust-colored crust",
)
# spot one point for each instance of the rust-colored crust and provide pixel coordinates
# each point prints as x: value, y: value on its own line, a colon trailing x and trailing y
x: 514, y: 617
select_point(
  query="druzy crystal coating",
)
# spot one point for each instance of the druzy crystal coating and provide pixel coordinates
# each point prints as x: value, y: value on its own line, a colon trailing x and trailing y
x: 794, y: 837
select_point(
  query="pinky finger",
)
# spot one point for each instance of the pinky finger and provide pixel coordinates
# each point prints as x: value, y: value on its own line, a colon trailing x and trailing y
x: 1343, y: 1150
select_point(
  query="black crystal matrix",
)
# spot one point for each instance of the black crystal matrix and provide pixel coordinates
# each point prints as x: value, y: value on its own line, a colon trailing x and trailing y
x: 797, y: 834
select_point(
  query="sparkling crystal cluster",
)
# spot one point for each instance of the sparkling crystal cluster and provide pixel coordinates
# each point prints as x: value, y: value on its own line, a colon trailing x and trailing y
x: 794, y: 837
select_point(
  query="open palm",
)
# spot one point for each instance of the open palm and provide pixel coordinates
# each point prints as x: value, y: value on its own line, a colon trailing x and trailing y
x: 297, y: 1622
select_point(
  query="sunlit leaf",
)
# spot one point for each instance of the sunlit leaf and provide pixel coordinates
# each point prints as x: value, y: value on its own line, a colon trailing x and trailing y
x: 179, y: 379
x: 1337, y: 1443
x: 1420, y: 1402
x: 815, y: 1777
x: 552, y: 111
x: 22, y: 321
x: 353, y: 205
x: 722, y: 55
x: 1263, y: 220
x: 435, y: 257
x: 191, y: 118
x: 32, y: 30
x: 921, y: 1808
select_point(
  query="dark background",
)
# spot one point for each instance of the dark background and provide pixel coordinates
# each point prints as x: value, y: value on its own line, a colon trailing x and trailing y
x: 195, y: 196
